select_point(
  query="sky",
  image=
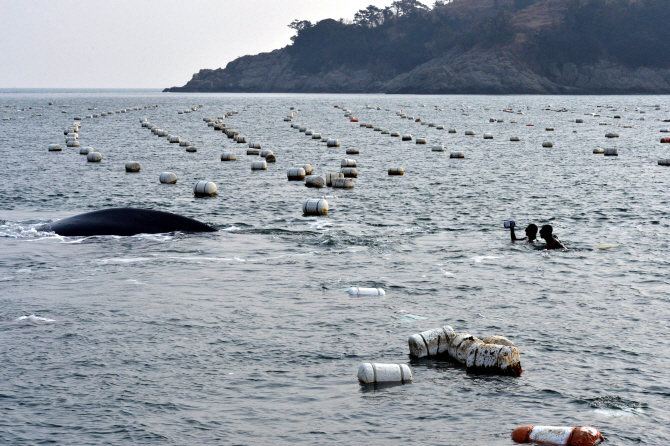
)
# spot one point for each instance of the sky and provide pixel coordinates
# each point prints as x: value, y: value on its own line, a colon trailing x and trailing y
x: 144, y: 43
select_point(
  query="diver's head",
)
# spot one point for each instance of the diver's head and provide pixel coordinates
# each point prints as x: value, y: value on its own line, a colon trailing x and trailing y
x: 531, y: 231
x: 546, y: 231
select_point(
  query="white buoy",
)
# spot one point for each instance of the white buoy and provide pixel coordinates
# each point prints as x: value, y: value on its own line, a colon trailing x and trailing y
x: 259, y: 165
x: 309, y: 132
x: 385, y: 132
x: 349, y: 172
x: 228, y: 157
x: 373, y: 373
x: 55, y: 148
x: 515, y: 138
x: 342, y: 183
x: 611, y: 152
x: 72, y: 143
x: 378, y: 129
x: 333, y: 143
x: 316, y: 136
x: 314, y: 181
x: 85, y: 150
x: 175, y: 139
x: 94, y: 157
x: 396, y: 171
x: 437, y: 149
x: 430, y: 343
x: 264, y: 153
x: 242, y: 140
x: 598, y: 151
x: 303, y: 129
x: 191, y: 149
x: 439, y: 127
x: 348, y: 163
x: 255, y: 145
x: 167, y: 178
x: 611, y: 135
x: 133, y: 166
x: 406, y: 137
x: 395, y: 134
x: 315, y: 206
x: 457, y: 155
x: 356, y: 291
x: 469, y: 133
x: 162, y: 133
x: 664, y: 162
x: 204, y: 188
x: 330, y: 177
x: 184, y: 143
x: 421, y: 140
x: 452, y: 130
x: 73, y: 135
x: 548, y: 144
x: 353, y: 151
x: 296, y: 174
x: 488, y: 136
x: 308, y: 168
x: 253, y: 151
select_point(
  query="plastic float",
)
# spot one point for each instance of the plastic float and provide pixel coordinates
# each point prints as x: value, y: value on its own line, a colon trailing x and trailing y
x: 133, y: 166
x: 569, y: 436
x: 372, y: 373
x: 204, y: 188
x: 356, y: 291
x: 167, y: 178
x: 315, y: 206
x: 94, y: 157
x: 314, y: 181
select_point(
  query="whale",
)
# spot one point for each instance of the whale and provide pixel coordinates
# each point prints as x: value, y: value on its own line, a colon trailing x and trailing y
x: 123, y: 222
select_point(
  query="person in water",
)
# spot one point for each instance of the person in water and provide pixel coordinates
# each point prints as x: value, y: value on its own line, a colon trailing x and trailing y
x: 547, y: 233
x: 531, y: 233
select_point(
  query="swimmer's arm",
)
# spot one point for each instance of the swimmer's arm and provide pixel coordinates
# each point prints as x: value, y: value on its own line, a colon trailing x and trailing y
x: 513, y: 235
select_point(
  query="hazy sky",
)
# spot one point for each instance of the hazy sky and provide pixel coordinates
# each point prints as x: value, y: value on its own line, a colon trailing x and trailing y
x: 140, y: 44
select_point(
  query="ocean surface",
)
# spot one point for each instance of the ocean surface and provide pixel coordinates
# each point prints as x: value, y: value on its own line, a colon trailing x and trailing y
x: 248, y: 336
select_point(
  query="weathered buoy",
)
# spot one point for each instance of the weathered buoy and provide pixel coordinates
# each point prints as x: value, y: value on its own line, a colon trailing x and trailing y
x: 579, y: 121
x: 72, y: 143
x: 342, y: 183
x: 241, y: 139
x: 665, y: 140
x: 85, y: 150
x: 439, y: 127
x: 191, y: 149
x: 309, y: 132
x: 303, y: 129
x: 253, y: 151
x: 264, y: 153
x: 373, y: 373
x: 558, y: 435
x: 421, y: 140
x: 549, y: 129
x: 548, y: 144
x: 55, y: 148
x: 331, y: 177
x: 396, y: 171
x: 488, y: 136
x: 356, y: 291
x: 175, y: 139
x: 259, y: 165
x: 515, y: 138
x: 94, y: 157
x: 406, y: 137
x: 255, y: 145
x: 664, y: 162
x: 457, y: 155
x: 204, y: 188
x: 296, y: 174
x: 395, y: 134
x: 469, y: 133
x: 437, y: 149
x: 385, y: 132
x: 184, y: 143
x: 315, y: 206
x: 316, y: 136
x: 353, y: 151
x: 333, y: 143
x: 308, y: 168
x: 167, y: 178
x: 271, y: 158
x: 228, y: 157
x: 349, y: 172
x: 314, y: 181
x: 598, y: 151
x: 133, y: 166
x: 611, y: 152
x: 348, y: 163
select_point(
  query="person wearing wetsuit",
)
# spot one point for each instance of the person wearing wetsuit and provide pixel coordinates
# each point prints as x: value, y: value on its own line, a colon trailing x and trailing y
x: 552, y: 241
x: 531, y: 234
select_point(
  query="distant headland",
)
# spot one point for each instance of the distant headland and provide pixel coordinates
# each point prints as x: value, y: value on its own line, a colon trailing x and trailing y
x: 466, y: 47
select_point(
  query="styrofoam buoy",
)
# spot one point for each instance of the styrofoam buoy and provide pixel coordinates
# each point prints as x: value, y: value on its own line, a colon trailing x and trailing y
x: 303, y: 129
x: 264, y: 153
x: 333, y: 143
x: 94, y: 157
x: 457, y: 155
x: 548, y: 144
x: 133, y: 166
x: 396, y: 171
x: 228, y: 157
x: 349, y: 172
x: 406, y: 137
x: 385, y: 132
x: 549, y: 129
x: 488, y: 136
x: 259, y: 165
x: 308, y: 168
x: 342, y: 183
x: 331, y: 177
x: 378, y: 129
x: 369, y: 126
x: 430, y: 343
x: 664, y: 162
x: 421, y: 140
x: 73, y: 135
x: 437, y: 149
x: 348, y: 163
x: 316, y: 136
x: 611, y: 152
x: 515, y: 138
x: 204, y: 188
x: 255, y: 145
x: 253, y: 151
x: 357, y: 291
x: 296, y: 174
x: 175, y: 139
x: 373, y: 373
x: 439, y: 127
x: 191, y: 149
x: 558, y: 435
x: 579, y: 121
x: 469, y: 133
x: 353, y: 151
x: 72, y: 143
x: 611, y: 135
x: 395, y: 134
x: 271, y: 158
x: 315, y: 206
x: 167, y: 178
x: 242, y: 140
x: 314, y: 181
x: 85, y: 150
x: 55, y: 148
x: 184, y: 143
x: 598, y: 151
x: 665, y: 130
x: 162, y: 133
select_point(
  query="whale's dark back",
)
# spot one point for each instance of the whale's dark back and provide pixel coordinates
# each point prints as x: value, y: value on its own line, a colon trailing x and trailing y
x: 125, y: 222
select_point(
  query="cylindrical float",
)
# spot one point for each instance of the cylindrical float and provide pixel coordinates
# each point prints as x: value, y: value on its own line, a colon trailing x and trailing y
x: 665, y: 140
x: 342, y: 183
x: 204, y: 188
x: 271, y: 158
x: 548, y: 144
x: 357, y: 291
x: 315, y: 206
x: 437, y: 149
x: 611, y: 152
x: 395, y: 134
x: 259, y: 165
x: 184, y: 143
x: 488, y: 136
x: 314, y: 181
x: 133, y: 166
x: 421, y: 140
x: 85, y: 150
x: 333, y: 143
x: 303, y: 129
x: 255, y: 145
x: 242, y: 140
x: 349, y: 172
x: 348, y: 163
x: 406, y: 137
x: 353, y: 151
x: 175, y: 139
x: 469, y: 133
x: 430, y: 343
x: 579, y: 121
x: 396, y: 171
x: 558, y: 435
x: 308, y: 168
x: 452, y: 130
x: 94, y: 157
x: 55, y: 148
x: 515, y: 138
x: 598, y: 151
x: 316, y: 136
x: 228, y: 157
x: 191, y: 149
x: 611, y: 135
x: 167, y: 178
x: 253, y: 151
x: 330, y: 177
x: 296, y: 174
x: 373, y: 373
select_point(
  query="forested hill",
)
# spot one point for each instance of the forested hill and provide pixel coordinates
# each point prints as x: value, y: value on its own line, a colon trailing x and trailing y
x: 466, y: 46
